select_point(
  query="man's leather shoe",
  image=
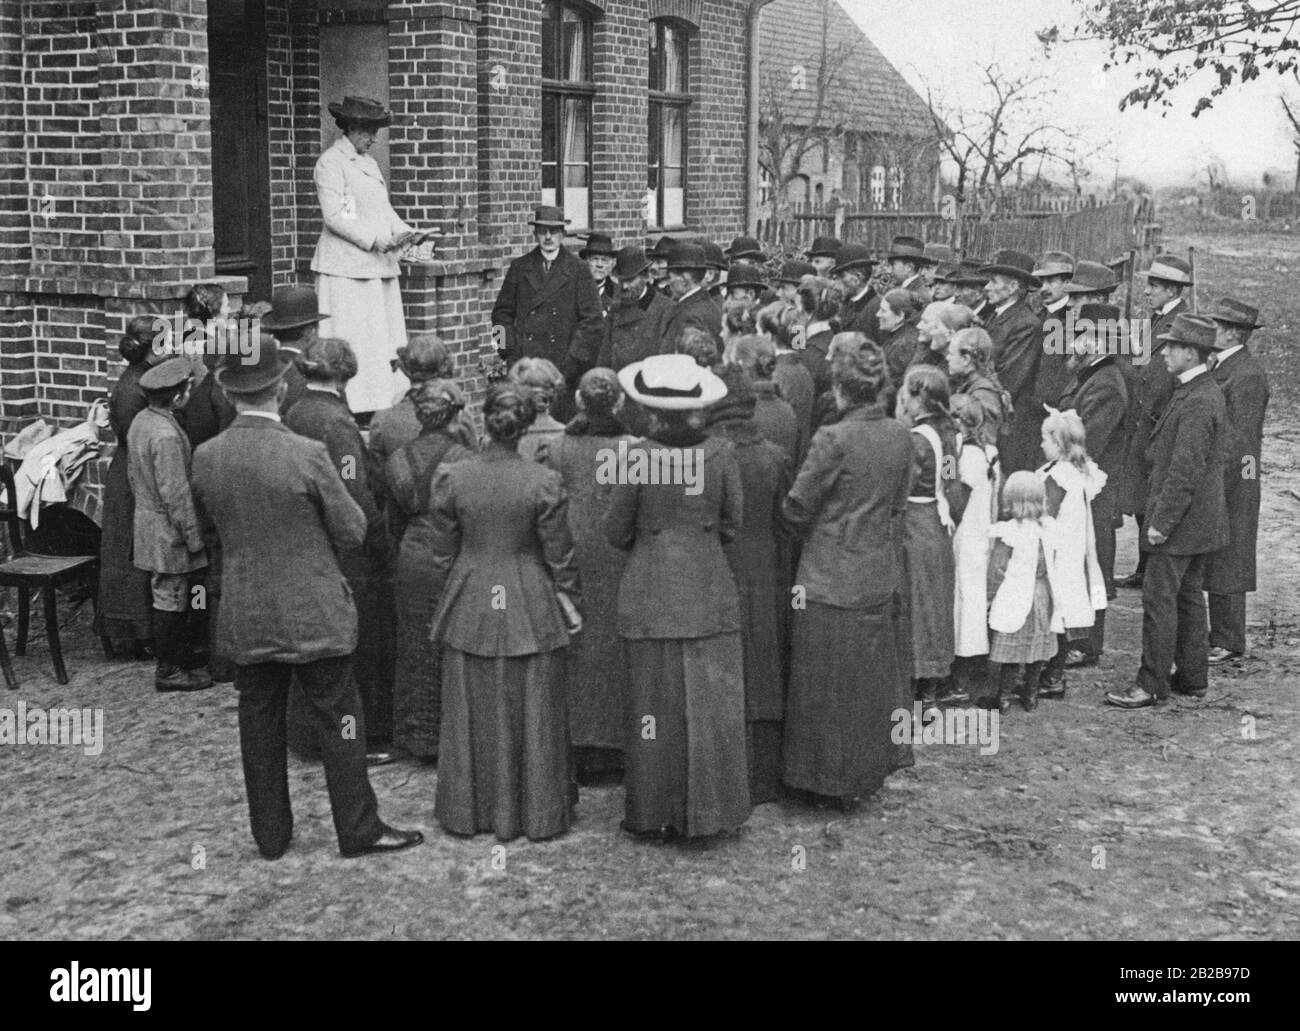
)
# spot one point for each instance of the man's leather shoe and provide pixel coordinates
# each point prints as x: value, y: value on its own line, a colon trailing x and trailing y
x: 391, y: 840
x: 174, y: 678
x: 1131, y: 581
x: 1079, y: 660
x: 1134, y: 698
x: 1051, y: 688
x: 1218, y: 655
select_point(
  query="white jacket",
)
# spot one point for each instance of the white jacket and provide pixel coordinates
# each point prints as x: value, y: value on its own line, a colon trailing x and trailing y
x: 1015, y: 595
x: 1074, y: 544
x: 355, y: 206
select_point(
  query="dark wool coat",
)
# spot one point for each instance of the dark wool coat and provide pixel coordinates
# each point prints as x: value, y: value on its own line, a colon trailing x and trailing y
x: 861, y: 316
x: 989, y: 395
x: 283, y: 515
x: 1100, y: 397
x: 1149, y: 388
x: 500, y: 548
x: 795, y: 384
x: 677, y: 583
x: 848, y: 502
x: 207, y: 412
x: 696, y: 309
x: 124, y: 595
x: 815, y: 357
x: 1186, y: 455
x: 1017, y: 335
x: 554, y: 315
x: 636, y: 331
x: 1245, y: 391
x: 1053, y: 363
x: 900, y: 351
x: 775, y: 420
x: 167, y: 536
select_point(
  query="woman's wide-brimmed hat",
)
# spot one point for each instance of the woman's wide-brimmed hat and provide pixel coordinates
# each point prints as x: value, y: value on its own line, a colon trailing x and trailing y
x: 548, y: 216
x: 672, y: 382
x: 362, y: 110
x: 291, y: 307
x: 1015, y: 264
x: 1232, y: 312
x: 238, y: 376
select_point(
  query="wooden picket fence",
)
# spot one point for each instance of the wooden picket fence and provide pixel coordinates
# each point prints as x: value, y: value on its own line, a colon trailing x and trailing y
x: 1098, y: 233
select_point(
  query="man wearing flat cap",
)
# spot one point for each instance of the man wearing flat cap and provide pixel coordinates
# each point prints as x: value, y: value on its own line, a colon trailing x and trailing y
x: 1017, y: 335
x: 168, y: 541
x: 1151, y: 386
x: 1230, y: 572
x: 283, y: 515
x: 1186, y: 519
x: 694, y: 306
x: 548, y: 307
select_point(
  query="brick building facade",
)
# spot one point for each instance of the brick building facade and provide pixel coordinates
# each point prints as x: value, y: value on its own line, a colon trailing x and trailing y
x: 146, y: 145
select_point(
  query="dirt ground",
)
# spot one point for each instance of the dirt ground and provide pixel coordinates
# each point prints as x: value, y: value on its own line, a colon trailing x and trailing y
x: 1087, y: 823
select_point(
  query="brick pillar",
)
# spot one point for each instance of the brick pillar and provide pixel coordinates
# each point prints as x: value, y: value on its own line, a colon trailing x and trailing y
x: 17, y: 357
x: 620, y: 114
x: 306, y: 101
x: 509, y: 106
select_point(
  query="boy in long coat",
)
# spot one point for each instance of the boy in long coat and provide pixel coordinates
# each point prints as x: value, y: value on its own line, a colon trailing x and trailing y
x: 167, y: 540
x: 1230, y: 573
x: 1186, y: 519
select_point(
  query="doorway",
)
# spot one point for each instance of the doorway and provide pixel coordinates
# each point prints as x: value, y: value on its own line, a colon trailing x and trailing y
x: 241, y: 174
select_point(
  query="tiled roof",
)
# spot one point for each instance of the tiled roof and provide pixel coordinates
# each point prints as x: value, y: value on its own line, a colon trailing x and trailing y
x: 865, y: 93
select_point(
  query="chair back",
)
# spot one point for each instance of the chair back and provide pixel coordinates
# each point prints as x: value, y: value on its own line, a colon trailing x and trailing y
x: 9, y: 516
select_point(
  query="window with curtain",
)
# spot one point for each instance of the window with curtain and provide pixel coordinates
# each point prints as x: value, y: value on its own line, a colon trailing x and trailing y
x: 878, y: 187
x: 670, y: 102
x: 567, y: 90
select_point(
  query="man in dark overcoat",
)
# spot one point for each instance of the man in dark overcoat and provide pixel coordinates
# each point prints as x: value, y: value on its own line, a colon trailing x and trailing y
x: 852, y: 271
x: 548, y: 307
x: 1017, y: 335
x: 283, y: 515
x: 693, y: 305
x: 599, y: 254
x: 1097, y: 392
x: 1230, y: 573
x: 636, y: 324
x: 1151, y: 386
x: 1186, y: 519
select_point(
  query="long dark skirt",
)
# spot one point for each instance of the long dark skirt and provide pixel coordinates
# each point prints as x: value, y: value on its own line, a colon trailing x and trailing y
x: 125, y: 610
x: 685, y: 766
x: 417, y: 680
x: 503, y: 762
x: 844, y: 685
x: 932, y: 578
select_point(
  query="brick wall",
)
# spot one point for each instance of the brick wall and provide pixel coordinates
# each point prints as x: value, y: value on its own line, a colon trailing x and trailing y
x: 114, y: 129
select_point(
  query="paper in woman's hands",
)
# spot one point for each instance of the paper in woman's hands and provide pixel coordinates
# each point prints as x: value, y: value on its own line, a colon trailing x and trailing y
x: 412, y: 238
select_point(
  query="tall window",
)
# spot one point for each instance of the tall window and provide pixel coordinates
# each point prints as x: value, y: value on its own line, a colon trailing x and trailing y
x: 896, y: 188
x: 670, y: 101
x: 567, y: 90
x: 878, y: 187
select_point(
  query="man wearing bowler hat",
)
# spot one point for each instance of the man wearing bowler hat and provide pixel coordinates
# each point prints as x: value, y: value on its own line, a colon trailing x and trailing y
x: 283, y: 515
x: 548, y: 307
x: 853, y: 265
x: 1151, y: 386
x: 823, y: 254
x: 638, y: 320
x: 1230, y: 572
x: 598, y: 253
x: 936, y: 254
x: 789, y: 278
x: 746, y: 248
x: 1017, y: 335
x: 906, y: 260
x: 970, y: 283
x: 294, y: 321
x: 694, y: 306
x: 1186, y: 519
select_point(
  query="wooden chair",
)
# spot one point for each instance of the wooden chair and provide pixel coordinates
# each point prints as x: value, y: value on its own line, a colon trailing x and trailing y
x: 27, y: 572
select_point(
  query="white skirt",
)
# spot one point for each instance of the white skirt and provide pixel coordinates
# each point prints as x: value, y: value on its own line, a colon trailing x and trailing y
x: 367, y: 313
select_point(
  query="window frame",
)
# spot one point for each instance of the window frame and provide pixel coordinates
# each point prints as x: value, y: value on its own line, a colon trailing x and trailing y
x: 558, y: 92
x: 658, y: 101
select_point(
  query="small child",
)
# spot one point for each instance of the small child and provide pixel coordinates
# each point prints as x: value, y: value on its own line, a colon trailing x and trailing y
x: 1020, y: 589
x: 978, y: 469
x: 1071, y: 481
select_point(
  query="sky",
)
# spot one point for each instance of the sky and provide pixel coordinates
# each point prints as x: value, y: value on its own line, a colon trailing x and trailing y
x: 943, y: 42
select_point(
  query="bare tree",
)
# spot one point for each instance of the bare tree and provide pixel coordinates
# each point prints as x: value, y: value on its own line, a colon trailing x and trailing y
x: 990, y: 137
x: 1291, y: 108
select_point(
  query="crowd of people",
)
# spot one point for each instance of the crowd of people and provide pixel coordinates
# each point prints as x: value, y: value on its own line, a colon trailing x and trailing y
x: 881, y: 485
